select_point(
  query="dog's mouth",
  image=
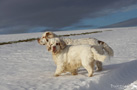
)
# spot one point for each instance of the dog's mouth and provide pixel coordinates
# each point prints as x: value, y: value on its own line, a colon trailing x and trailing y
x: 54, y: 50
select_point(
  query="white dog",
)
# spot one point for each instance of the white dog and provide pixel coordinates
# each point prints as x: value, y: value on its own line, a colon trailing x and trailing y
x: 90, y: 41
x: 69, y: 58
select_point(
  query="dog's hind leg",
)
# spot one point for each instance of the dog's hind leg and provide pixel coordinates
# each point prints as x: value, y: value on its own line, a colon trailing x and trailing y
x: 89, y: 67
x: 98, y: 66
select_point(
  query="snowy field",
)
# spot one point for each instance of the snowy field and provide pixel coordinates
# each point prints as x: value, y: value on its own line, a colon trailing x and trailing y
x: 29, y: 66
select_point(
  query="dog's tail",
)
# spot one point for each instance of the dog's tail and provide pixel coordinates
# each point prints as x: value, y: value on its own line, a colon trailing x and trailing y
x: 107, y: 48
x: 98, y: 53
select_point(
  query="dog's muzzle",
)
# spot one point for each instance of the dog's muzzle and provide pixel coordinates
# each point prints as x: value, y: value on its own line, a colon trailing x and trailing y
x: 38, y: 40
x: 54, y: 49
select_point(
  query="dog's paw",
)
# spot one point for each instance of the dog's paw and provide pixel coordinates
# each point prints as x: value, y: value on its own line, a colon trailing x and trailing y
x: 74, y: 73
x: 98, y: 69
x: 56, y: 75
x: 90, y: 75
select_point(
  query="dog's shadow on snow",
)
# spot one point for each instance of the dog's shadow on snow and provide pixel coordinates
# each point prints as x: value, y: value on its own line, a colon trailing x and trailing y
x: 110, y: 68
x: 116, y: 76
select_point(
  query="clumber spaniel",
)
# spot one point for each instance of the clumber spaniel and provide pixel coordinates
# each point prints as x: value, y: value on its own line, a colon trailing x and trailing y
x: 69, y: 58
x: 90, y: 41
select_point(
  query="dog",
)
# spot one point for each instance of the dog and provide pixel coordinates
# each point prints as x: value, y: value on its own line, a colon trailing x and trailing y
x: 90, y: 41
x: 69, y: 58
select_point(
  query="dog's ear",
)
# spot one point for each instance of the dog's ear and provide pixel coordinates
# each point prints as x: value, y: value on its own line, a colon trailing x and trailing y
x: 100, y: 42
x: 47, y: 40
x: 62, y: 44
x: 48, y: 45
x: 50, y: 35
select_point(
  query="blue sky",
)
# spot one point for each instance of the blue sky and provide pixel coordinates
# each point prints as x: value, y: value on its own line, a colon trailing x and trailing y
x: 111, y: 19
x: 104, y: 21
x: 25, y: 16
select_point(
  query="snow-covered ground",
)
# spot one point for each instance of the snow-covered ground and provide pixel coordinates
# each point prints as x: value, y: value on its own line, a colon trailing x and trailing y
x: 29, y: 66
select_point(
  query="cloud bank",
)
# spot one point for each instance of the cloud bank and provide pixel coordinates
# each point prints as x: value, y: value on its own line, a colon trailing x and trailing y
x: 24, y: 15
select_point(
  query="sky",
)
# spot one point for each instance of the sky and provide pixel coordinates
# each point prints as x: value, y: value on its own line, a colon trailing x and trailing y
x: 26, y: 16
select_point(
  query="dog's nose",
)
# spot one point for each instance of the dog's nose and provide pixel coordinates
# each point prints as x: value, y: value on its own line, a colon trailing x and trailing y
x: 38, y: 40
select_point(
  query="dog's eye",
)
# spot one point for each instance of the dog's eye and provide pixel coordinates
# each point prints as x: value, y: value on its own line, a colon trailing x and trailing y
x: 57, y: 43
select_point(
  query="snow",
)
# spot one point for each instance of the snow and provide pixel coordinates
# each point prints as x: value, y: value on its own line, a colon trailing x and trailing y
x: 29, y: 66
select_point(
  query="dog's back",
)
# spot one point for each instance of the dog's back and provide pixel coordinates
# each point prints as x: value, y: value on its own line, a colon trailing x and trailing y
x: 80, y: 52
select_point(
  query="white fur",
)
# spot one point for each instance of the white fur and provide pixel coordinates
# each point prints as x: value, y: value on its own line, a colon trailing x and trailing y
x: 69, y: 58
x: 90, y: 41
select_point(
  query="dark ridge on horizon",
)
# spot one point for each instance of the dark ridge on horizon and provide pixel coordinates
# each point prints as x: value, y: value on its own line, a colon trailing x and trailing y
x: 33, y: 39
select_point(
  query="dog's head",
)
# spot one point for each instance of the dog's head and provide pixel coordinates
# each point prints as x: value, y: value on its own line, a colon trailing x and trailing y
x: 44, y: 39
x: 55, y: 45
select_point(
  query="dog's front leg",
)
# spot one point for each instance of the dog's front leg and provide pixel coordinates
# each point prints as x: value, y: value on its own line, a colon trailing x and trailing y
x: 59, y: 70
x: 74, y: 72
